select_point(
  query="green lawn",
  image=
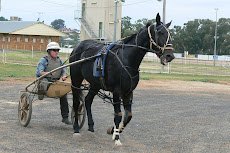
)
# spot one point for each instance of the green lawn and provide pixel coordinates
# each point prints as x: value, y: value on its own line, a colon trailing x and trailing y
x: 179, y: 71
x: 15, y: 70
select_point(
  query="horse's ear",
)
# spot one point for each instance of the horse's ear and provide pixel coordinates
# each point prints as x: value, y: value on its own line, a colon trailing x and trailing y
x: 158, y: 19
x: 148, y: 24
x: 168, y: 24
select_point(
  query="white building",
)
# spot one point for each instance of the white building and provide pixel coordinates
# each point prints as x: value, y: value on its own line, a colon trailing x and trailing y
x: 97, y: 19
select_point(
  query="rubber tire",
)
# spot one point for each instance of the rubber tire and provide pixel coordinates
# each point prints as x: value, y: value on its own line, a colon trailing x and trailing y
x: 23, y: 116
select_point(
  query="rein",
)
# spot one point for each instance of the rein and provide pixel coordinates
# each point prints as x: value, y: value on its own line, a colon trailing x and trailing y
x: 150, y: 49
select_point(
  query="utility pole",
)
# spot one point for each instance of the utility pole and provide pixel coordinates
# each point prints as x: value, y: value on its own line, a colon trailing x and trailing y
x: 115, y: 22
x: 164, y: 10
x: 214, y: 58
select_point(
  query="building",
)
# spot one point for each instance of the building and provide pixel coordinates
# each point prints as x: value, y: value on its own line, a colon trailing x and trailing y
x: 15, y: 18
x: 27, y: 35
x: 97, y: 19
x: 67, y: 31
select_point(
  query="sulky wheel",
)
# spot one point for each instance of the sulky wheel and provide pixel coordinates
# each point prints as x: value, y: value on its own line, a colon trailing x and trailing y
x: 81, y: 115
x: 24, y: 109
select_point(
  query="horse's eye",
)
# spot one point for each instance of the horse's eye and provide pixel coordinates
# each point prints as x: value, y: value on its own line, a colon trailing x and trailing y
x: 159, y: 32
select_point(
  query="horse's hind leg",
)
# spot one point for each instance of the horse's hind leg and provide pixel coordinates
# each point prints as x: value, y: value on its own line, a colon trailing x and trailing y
x: 76, y: 79
x: 77, y: 93
x: 88, y: 103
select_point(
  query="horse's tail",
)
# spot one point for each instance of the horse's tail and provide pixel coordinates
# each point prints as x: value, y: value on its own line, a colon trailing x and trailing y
x: 73, y: 54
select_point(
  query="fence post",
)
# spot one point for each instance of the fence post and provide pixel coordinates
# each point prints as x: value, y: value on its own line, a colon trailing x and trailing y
x: 32, y: 51
x: 3, y: 56
x: 168, y: 68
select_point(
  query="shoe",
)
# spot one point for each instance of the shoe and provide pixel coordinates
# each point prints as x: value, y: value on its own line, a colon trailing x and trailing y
x: 66, y: 121
x: 41, y: 92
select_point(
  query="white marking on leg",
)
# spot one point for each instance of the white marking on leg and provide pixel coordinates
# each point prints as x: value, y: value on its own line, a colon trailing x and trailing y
x: 118, y: 143
x: 121, y: 127
x: 115, y: 133
x: 76, y: 135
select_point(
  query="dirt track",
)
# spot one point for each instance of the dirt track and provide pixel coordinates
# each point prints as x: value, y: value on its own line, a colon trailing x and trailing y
x: 168, y: 116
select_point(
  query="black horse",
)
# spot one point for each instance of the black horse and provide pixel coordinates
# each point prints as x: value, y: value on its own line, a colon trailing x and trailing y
x: 121, y: 71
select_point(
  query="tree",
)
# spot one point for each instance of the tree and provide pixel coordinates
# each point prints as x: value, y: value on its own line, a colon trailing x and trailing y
x: 3, y: 19
x: 142, y: 23
x: 58, y: 23
x: 126, y: 27
x: 197, y: 37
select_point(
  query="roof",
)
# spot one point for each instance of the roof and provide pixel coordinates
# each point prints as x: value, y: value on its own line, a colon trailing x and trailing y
x: 28, y: 28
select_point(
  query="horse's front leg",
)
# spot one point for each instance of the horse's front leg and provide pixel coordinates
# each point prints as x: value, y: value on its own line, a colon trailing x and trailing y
x: 117, y: 117
x: 127, y: 102
x: 88, y: 104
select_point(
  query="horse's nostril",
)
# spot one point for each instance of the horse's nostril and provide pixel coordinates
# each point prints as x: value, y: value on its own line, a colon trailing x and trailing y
x: 169, y: 58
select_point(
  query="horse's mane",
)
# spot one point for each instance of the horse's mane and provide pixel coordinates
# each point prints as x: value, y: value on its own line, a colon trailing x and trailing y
x: 129, y: 38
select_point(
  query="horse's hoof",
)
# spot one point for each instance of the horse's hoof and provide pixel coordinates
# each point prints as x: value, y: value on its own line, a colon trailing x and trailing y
x: 118, y: 143
x: 110, y: 130
x: 76, y: 135
x: 91, y: 130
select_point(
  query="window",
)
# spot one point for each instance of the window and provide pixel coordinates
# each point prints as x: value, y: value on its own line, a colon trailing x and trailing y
x: 49, y: 40
x: 100, y: 29
x: 3, y: 39
x: 18, y: 39
x: 42, y: 40
x: 8, y: 39
x: 34, y: 40
x: 26, y: 39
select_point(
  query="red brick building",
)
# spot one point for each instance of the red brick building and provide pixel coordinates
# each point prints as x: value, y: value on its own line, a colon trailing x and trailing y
x: 27, y: 35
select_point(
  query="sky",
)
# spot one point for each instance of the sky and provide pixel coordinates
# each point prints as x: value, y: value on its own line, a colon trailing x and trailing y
x: 179, y: 11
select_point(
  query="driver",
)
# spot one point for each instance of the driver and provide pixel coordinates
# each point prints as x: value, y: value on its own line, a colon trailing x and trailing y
x: 46, y: 64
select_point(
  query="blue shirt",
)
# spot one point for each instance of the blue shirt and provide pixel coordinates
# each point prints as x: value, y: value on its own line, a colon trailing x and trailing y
x: 42, y: 65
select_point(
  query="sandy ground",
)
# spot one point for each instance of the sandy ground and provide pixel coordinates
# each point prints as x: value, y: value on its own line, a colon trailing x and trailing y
x: 168, y: 116
x: 158, y: 84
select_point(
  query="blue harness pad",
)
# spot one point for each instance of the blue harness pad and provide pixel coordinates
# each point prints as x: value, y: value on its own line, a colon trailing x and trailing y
x: 95, y: 72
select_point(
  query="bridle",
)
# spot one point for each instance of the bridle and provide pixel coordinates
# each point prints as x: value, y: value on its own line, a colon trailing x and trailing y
x: 152, y: 42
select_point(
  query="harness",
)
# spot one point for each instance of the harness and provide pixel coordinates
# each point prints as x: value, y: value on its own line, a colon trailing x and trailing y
x: 152, y: 42
x: 159, y: 52
x: 99, y: 64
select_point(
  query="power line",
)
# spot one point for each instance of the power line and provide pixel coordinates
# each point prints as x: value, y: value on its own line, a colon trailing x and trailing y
x: 59, y: 3
x: 73, y: 6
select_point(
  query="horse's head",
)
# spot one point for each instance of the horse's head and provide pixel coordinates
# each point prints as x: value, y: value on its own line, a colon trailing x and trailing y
x: 160, y: 41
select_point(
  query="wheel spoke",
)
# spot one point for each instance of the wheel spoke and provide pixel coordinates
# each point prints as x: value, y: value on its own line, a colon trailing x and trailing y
x: 27, y: 112
x: 27, y: 106
x: 22, y: 116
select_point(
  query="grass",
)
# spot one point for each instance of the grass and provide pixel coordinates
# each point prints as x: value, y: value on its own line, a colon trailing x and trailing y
x: 193, y: 69
x: 15, y: 70
x: 188, y: 72
x: 184, y: 77
x: 25, y: 57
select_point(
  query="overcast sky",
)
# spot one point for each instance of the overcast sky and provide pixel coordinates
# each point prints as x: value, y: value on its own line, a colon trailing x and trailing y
x: 179, y: 11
